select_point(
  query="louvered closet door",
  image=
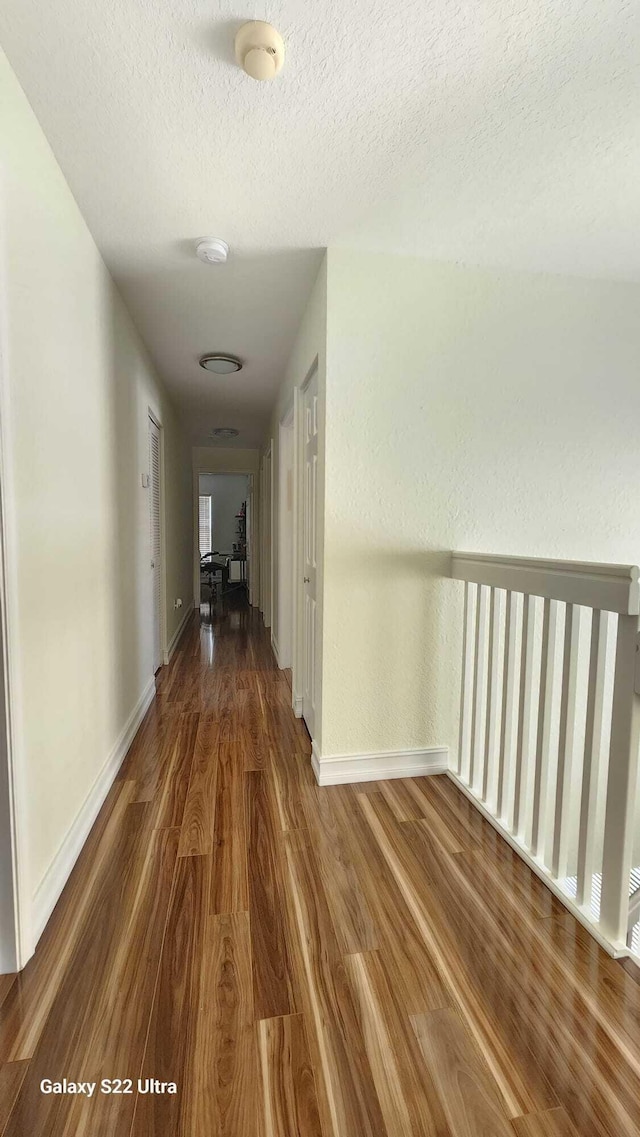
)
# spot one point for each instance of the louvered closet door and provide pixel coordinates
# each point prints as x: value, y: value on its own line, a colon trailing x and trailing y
x: 156, y: 545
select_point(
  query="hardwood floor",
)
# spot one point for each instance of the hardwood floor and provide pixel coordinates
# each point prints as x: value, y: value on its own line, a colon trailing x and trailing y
x: 353, y: 961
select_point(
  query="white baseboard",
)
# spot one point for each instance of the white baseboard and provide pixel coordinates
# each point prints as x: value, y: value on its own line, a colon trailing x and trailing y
x: 175, y: 639
x: 296, y: 705
x: 336, y: 769
x: 48, y: 891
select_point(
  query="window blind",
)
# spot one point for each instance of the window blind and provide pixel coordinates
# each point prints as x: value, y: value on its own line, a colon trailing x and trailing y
x: 204, y: 524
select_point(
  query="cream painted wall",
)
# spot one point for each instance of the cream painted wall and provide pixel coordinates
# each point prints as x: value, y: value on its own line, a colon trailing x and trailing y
x: 465, y: 409
x: 310, y: 346
x: 79, y: 385
x: 221, y: 460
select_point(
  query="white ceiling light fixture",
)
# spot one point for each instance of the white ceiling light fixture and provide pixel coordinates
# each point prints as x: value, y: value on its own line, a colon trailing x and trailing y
x: 225, y: 432
x: 221, y: 364
x: 259, y: 50
x: 212, y: 250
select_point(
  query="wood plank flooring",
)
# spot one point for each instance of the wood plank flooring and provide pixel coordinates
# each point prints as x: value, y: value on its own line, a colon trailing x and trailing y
x: 353, y: 961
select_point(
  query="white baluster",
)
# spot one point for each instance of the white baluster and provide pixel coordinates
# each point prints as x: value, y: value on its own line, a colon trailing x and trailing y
x: 511, y: 686
x: 466, y: 707
x: 535, y: 836
x: 566, y: 745
x: 478, y: 727
x: 494, y: 698
x: 527, y: 703
x: 592, y: 757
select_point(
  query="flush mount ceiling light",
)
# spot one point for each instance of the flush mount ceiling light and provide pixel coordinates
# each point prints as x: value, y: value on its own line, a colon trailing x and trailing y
x: 225, y: 432
x: 259, y: 50
x: 221, y: 364
x: 212, y: 250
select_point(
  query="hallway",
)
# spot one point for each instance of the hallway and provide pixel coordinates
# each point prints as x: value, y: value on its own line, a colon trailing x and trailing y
x: 356, y: 961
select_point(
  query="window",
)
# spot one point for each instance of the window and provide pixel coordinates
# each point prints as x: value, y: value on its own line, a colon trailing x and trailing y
x: 204, y: 524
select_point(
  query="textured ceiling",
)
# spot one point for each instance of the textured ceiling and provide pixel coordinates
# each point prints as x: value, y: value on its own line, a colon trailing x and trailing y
x: 503, y: 132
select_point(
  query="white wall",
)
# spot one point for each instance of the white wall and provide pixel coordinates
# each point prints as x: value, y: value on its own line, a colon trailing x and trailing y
x: 228, y: 492
x: 309, y: 349
x: 465, y: 409
x: 78, y: 384
x: 225, y: 460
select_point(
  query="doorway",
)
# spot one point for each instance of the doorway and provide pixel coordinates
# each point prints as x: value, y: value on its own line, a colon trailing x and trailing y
x: 223, y: 536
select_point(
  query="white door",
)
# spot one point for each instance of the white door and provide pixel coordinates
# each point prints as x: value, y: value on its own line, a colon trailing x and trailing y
x: 309, y: 554
x: 156, y: 541
x: 284, y: 576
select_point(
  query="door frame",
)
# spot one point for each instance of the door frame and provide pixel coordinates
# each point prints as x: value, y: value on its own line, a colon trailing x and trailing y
x: 253, y: 557
x: 282, y: 638
x: 251, y: 528
x: 266, y: 529
x: 164, y: 655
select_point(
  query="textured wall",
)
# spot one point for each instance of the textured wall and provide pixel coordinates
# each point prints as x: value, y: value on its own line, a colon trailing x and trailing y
x: 496, y: 132
x: 465, y: 409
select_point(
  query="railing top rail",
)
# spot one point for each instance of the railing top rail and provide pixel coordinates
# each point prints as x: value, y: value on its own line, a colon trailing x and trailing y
x: 612, y: 588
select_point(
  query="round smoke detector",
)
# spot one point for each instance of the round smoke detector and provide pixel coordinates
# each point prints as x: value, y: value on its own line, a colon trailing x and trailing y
x: 212, y: 250
x: 225, y: 432
x: 259, y: 50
